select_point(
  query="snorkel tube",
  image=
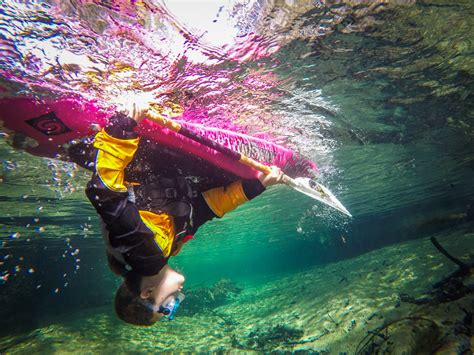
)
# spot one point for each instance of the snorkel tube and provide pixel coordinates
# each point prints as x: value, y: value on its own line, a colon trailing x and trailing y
x: 169, y: 309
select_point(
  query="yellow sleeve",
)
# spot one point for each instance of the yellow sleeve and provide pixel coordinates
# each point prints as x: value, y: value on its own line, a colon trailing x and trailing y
x: 225, y: 199
x: 112, y: 158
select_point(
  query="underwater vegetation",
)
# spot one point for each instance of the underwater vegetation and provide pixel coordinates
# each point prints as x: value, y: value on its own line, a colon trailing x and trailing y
x: 419, y: 334
x: 268, y: 338
x: 205, y: 299
x: 380, y: 302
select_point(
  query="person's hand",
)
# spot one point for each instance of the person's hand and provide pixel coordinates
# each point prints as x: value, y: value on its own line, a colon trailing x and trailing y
x: 136, y: 111
x: 275, y: 177
x: 134, y: 104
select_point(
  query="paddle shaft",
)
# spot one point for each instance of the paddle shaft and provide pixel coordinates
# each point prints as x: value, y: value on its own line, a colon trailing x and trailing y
x: 178, y: 128
x: 310, y: 187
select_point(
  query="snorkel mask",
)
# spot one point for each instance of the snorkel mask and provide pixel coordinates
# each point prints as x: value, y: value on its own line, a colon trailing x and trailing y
x: 169, y: 308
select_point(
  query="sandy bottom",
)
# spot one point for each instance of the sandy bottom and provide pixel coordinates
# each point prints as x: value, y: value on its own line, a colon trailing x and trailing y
x: 333, y: 309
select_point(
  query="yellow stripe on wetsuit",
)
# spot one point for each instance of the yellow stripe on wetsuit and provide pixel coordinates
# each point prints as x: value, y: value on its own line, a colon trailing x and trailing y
x: 162, y: 227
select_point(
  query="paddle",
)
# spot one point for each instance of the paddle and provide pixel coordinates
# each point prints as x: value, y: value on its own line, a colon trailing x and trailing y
x: 304, y: 185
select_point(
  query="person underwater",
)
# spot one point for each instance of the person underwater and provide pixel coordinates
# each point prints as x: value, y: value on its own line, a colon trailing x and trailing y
x: 144, y: 225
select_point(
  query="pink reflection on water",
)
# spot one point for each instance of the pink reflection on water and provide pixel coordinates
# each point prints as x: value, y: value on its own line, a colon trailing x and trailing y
x: 112, y: 47
x: 251, y: 47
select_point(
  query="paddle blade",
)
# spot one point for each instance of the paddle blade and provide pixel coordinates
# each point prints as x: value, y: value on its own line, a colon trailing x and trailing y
x: 317, y: 191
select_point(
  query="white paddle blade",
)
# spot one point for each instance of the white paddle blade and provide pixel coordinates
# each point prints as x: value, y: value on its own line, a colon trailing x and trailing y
x: 317, y: 191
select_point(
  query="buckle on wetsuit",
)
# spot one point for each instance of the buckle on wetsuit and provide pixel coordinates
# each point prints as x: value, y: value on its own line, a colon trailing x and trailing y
x: 171, y: 192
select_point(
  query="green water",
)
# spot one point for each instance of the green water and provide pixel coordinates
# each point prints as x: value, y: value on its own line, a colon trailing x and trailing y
x: 392, y: 103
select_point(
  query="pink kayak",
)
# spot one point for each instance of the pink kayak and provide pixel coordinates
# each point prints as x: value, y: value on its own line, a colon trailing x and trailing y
x: 55, y: 122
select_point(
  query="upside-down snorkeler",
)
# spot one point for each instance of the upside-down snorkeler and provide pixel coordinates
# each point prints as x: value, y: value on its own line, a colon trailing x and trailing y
x: 144, y: 225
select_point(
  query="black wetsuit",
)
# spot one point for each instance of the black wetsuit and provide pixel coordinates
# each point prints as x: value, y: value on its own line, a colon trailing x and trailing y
x: 144, y: 243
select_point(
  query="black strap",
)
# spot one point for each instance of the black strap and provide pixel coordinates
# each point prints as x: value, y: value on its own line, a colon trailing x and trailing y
x: 168, y: 195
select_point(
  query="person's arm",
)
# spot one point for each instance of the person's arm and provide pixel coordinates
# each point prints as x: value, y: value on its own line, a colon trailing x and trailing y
x: 225, y: 199
x: 218, y: 201
x: 128, y: 235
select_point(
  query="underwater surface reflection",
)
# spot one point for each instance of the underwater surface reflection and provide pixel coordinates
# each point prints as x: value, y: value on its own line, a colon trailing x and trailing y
x: 379, y: 95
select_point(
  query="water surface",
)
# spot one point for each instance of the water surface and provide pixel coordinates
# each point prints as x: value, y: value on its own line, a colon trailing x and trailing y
x: 378, y: 95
